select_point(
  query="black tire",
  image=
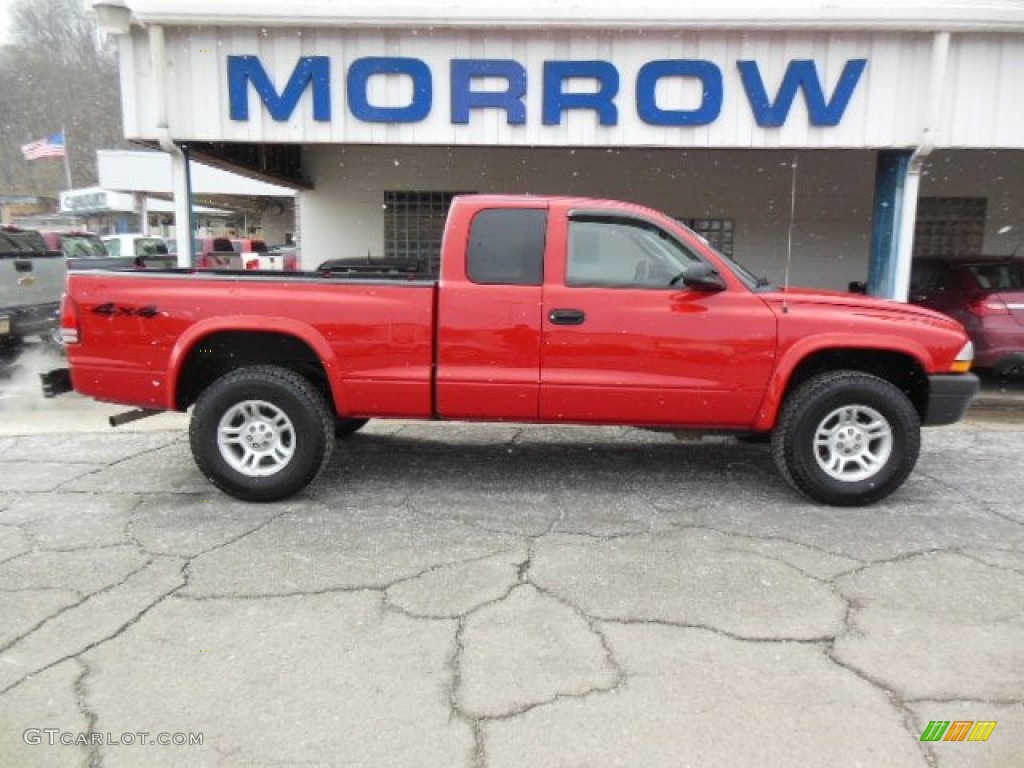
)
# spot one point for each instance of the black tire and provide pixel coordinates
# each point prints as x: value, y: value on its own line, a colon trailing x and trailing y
x: 870, y: 438
x: 277, y: 432
x: 344, y: 427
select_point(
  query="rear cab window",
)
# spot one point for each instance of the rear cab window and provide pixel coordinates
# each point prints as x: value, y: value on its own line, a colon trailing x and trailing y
x: 506, y: 246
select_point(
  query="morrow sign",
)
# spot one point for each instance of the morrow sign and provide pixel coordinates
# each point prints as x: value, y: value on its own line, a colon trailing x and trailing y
x: 501, y: 84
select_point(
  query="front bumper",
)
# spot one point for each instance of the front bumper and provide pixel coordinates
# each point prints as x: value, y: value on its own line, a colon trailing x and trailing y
x: 949, y: 396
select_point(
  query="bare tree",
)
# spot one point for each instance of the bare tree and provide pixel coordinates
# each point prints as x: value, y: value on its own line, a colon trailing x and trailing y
x: 57, y: 74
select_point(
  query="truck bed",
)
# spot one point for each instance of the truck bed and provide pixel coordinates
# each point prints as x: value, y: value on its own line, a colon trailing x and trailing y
x: 374, y: 334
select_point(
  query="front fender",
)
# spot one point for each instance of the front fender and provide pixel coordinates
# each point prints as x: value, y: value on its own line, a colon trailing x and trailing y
x: 803, y: 349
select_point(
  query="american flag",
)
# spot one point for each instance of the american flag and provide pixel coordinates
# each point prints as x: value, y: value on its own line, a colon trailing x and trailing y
x: 51, y: 146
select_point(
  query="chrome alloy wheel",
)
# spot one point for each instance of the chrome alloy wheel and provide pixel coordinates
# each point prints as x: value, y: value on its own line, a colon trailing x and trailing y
x: 853, y: 443
x: 256, y: 438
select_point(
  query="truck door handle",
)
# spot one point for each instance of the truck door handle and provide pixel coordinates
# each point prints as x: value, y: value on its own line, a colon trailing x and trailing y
x: 567, y: 316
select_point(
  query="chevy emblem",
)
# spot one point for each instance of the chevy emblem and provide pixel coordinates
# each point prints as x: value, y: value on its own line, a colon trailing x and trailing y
x: 27, y: 280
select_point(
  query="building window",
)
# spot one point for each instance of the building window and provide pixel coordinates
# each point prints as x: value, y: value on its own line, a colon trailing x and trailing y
x: 718, y: 232
x: 413, y: 226
x: 949, y: 226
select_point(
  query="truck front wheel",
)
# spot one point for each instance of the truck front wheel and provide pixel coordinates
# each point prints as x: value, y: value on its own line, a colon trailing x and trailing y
x: 847, y: 438
x: 261, y: 433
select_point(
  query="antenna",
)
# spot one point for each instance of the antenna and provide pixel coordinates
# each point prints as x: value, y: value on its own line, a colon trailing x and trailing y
x: 789, y: 242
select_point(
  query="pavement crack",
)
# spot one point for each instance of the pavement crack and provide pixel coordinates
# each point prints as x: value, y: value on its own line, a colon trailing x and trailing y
x: 634, y: 622
x: 897, y: 701
x: 764, y: 537
x: 288, y: 593
x: 104, y: 467
x: 523, y: 568
x: 985, y: 505
x: 454, y: 666
x: 12, y: 558
x: 85, y: 598
x: 91, y: 718
x: 966, y: 552
x: 900, y: 558
x: 107, y: 638
x: 967, y: 700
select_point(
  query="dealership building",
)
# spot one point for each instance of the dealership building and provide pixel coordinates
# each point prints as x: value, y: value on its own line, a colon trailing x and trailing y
x: 830, y: 141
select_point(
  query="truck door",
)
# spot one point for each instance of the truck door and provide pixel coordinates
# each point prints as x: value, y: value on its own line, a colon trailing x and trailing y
x: 489, y: 316
x: 623, y: 344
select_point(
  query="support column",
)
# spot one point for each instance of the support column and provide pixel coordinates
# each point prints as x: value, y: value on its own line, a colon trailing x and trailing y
x: 182, y: 208
x: 891, y: 174
x: 141, y: 207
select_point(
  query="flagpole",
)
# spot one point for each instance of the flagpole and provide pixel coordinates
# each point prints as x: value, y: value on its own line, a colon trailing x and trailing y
x: 67, y: 160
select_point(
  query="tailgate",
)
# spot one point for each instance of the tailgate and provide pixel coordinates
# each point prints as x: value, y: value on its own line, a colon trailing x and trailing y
x: 30, y: 279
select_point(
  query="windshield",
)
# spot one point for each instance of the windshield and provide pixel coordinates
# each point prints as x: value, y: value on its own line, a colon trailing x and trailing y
x: 82, y: 246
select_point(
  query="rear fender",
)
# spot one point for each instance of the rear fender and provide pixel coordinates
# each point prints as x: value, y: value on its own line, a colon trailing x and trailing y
x: 255, y: 324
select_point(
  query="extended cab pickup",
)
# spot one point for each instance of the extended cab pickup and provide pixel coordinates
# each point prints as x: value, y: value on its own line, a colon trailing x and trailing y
x: 550, y: 310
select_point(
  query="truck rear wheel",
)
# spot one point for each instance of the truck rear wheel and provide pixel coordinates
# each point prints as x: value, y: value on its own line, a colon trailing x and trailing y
x: 847, y: 438
x: 261, y: 433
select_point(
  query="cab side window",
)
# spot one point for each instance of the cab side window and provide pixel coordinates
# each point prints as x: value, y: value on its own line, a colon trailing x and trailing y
x: 506, y: 247
x: 623, y: 253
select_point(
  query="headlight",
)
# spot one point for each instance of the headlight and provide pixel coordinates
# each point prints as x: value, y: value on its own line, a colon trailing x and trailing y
x: 963, y: 361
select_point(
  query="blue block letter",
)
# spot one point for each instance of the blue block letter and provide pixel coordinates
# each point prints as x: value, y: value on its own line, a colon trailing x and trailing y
x: 310, y: 70
x: 647, y: 84
x: 511, y: 99
x: 362, y: 70
x: 800, y: 75
x: 602, y: 101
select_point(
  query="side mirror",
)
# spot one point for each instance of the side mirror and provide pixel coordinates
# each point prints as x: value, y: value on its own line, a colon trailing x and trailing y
x: 701, y: 276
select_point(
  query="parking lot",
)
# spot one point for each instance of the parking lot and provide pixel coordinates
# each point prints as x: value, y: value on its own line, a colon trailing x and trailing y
x: 502, y: 595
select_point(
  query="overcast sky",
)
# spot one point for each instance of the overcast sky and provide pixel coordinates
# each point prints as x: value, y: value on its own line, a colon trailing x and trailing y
x: 5, y: 19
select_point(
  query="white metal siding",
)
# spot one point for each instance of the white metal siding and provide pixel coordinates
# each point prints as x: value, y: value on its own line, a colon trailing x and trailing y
x: 981, y: 102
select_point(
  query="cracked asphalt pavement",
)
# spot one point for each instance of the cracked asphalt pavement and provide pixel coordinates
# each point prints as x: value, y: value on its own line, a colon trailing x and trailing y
x: 491, y: 595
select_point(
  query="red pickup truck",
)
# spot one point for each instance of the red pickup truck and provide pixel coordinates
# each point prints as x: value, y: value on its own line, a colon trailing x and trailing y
x: 547, y: 310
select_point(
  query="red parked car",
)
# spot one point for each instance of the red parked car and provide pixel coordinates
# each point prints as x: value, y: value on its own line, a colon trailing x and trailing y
x: 986, y: 294
x: 256, y: 255
x: 216, y: 253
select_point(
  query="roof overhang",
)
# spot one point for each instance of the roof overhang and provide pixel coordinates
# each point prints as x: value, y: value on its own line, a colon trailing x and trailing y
x: 901, y: 15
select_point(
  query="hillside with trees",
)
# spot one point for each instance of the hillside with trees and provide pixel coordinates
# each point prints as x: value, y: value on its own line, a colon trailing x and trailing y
x: 56, y: 74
